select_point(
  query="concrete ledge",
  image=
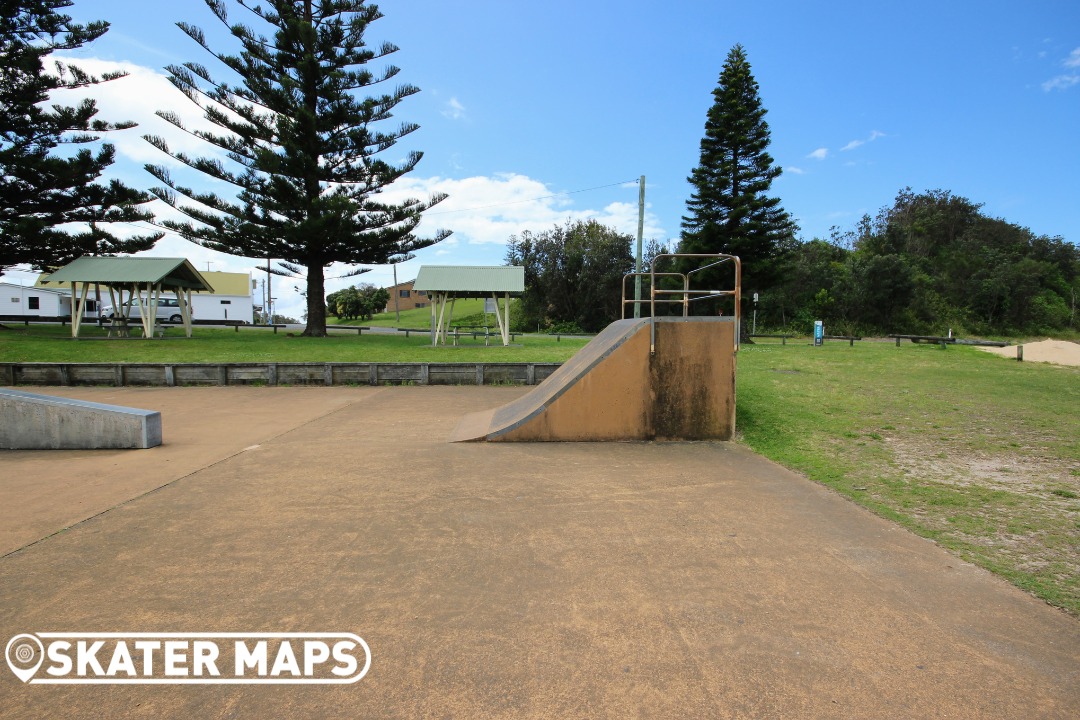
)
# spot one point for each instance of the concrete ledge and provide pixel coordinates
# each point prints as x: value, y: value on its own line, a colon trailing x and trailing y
x: 43, y: 422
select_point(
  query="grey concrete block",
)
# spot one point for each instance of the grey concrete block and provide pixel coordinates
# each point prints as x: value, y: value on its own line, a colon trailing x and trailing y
x: 29, y: 421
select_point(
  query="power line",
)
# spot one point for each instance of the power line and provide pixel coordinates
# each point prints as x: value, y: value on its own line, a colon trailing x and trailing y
x: 448, y: 212
x: 518, y: 202
x: 167, y: 230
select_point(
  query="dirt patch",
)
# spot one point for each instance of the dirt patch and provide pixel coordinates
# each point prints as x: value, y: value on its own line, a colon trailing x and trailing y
x: 999, y: 471
x: 1058, y: 352
x: 1032, y: 529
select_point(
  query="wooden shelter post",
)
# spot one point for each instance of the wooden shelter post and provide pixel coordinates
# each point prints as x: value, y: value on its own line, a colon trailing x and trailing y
x: 78, y: 307
x: 499, y: 319
x: 434, y: 307
x: 183, y: 299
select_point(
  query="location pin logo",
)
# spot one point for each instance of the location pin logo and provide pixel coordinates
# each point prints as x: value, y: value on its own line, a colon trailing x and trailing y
x: 24, y: 655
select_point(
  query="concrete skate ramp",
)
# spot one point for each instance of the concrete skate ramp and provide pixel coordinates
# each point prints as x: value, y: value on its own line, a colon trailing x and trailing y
x: 29, y: 421
x: 614, y: 389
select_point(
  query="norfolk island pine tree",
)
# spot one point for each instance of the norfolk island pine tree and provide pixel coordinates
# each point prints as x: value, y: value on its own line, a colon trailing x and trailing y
x: 52, y: 207
x: 301, y: 144
x: 729, y: 210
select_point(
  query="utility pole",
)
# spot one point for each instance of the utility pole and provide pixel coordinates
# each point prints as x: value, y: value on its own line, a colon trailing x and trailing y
x: 265, y: 309
x: 397, y: 312
x: 269, y: 297
x: 640, y: 234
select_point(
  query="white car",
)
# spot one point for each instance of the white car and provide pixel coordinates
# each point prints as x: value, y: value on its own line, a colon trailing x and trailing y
x: 168, y: 311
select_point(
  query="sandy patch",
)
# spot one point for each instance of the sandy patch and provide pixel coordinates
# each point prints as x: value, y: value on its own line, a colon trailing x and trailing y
x: 1059, y: 352
x: 1021, y: 472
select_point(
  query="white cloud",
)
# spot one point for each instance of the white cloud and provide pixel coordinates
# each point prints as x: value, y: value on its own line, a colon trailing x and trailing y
x: 136, y: 98
x: 1061, y: 82
x: 488, y: 210
x: 819, y: 154
x: 1067, y: 80
x: 454, y: 110
x: 447, y: 247
x: 794, y: 170
x: 874, y: 135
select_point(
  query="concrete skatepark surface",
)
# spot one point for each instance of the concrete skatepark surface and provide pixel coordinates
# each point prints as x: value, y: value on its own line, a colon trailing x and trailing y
x: 549, y: 580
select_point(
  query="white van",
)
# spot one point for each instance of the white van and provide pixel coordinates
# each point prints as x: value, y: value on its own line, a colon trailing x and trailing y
x: 168, y: 311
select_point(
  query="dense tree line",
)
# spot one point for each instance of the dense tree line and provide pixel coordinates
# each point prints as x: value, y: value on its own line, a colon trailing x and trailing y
x: 573, y: 276
x: 930, y: 262
x: 358, y: 302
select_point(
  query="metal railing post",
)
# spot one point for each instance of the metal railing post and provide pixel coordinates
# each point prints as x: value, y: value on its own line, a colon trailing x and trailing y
x: 687, y: 294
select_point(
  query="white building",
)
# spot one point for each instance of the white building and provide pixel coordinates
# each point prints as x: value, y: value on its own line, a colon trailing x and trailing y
x: 31, y: 301
x: 230, y: 300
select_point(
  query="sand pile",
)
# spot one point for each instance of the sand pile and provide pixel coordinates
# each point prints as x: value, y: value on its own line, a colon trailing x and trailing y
x: 1060, y: 352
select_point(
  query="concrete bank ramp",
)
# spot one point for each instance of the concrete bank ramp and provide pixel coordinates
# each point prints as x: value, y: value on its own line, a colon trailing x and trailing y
x: 614, y: 389
x: 29, y: 421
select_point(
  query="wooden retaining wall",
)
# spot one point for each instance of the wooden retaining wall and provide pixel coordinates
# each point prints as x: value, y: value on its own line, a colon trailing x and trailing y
x: 172, y: 375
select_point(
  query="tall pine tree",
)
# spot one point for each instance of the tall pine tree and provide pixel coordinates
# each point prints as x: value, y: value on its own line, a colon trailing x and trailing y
x: 43, y: 187
x: 299, y: 137
x: 730, y: 210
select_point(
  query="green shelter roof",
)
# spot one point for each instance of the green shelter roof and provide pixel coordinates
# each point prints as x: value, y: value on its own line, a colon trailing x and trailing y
x: 470, y: 279
x: 169, y: 272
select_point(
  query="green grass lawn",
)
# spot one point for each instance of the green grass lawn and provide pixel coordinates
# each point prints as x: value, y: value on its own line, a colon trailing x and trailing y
x: 977, y: 452
x: 51, y: 343
x: 469, y: 311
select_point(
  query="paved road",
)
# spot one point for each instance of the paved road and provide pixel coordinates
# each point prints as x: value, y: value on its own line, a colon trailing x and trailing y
x: 503, y: 581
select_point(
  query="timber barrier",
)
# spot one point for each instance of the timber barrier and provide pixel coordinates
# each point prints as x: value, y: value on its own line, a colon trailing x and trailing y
x: 282, y: 373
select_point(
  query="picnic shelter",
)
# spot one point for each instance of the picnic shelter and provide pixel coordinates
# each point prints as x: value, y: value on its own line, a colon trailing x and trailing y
x: 445, y: 283
x: 143, y: 279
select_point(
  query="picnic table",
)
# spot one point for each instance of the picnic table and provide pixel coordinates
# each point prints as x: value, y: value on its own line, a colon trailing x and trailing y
x: 118, y: 327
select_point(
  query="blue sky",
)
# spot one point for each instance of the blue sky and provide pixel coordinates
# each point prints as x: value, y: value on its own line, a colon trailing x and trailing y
x: 522, y: 101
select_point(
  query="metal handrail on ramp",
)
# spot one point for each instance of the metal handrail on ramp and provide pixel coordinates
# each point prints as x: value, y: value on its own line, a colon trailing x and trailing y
x: 688, y: 294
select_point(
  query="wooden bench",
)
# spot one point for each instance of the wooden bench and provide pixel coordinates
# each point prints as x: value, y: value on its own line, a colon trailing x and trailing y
x: 935, y: 339
x: 850, y: 338
x: 783, y: 338
x: 235, y: 324
x: 486, y: 334
x: 27, y: 319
